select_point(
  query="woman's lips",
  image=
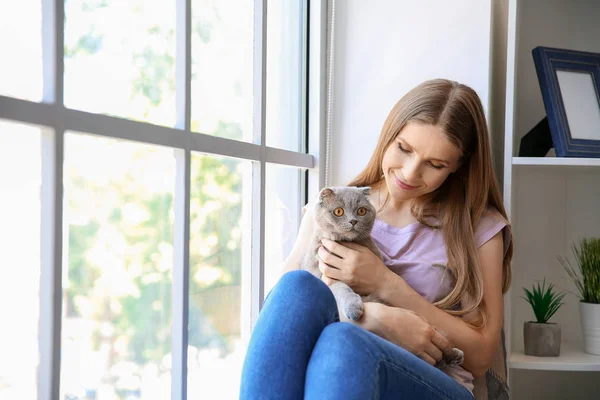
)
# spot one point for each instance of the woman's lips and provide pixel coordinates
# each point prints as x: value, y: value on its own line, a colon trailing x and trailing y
x: 403, y: 185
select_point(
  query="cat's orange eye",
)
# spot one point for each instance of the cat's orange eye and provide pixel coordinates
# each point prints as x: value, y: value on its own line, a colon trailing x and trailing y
x: 361, y: 211
x: 338, y: 212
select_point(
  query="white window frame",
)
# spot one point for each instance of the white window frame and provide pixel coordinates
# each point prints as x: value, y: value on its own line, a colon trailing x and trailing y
x: 54, y: 119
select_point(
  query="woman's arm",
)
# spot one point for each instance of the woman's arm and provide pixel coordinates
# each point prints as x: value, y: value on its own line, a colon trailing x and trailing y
x: 406, y: 329
x: 478, y: 345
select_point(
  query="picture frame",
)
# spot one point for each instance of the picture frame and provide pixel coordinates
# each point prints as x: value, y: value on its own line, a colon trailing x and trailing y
x: 570, y: 85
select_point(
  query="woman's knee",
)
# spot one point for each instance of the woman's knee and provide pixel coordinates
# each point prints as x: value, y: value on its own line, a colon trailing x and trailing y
x: 304, y: 286
x: 303, y: 283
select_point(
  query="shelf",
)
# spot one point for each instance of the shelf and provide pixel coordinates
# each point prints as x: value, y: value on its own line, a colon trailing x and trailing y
x: 557, y: 161
x: 572, y: 358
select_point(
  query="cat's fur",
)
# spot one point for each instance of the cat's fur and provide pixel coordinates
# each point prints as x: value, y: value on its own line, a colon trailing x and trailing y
x: 349, y: 227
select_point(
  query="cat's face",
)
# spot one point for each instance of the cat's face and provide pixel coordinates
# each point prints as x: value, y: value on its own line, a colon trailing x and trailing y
x: 345, y: 212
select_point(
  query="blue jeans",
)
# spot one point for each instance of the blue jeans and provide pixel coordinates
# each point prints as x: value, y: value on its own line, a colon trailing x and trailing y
x: 299, y: 349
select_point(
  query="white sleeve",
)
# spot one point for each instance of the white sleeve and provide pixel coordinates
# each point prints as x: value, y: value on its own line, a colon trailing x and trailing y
x: 307, y: 226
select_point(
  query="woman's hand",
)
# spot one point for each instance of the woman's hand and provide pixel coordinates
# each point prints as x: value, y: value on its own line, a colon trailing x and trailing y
x: 405, y: 329
x: 354, y: 265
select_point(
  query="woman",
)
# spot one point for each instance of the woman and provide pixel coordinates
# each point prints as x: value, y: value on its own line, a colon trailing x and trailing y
x: 446, y: 246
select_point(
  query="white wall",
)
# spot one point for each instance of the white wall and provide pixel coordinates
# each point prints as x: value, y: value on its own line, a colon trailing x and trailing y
x: 383, y: 48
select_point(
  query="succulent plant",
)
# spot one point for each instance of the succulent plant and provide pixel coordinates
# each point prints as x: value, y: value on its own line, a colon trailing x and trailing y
x: 544, y: 301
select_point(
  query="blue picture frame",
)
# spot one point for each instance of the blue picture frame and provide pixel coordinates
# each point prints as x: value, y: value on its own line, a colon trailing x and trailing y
x: 547, y: 62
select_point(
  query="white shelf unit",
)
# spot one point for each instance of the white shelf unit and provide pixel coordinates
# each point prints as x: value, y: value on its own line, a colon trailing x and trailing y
x: 571, y: 359
x: 557, y: 161
x: 552, y: 202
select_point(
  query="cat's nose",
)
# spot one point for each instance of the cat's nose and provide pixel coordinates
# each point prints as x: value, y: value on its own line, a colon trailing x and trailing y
x: 353, y: 222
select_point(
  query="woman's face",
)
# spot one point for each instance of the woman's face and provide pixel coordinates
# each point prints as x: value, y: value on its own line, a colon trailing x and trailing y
x: 418, y: 161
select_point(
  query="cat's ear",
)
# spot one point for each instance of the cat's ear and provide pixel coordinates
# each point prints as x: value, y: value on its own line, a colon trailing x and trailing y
x: 325, y: 192
x: 365, y: 190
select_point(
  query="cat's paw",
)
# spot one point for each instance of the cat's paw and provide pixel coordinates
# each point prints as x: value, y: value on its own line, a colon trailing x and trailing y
x: 457, y: 357
x: 353, y: 308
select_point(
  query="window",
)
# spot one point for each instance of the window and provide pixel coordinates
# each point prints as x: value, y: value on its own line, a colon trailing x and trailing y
x: 286, y: 35
x: 220, y: 245
x: 20, y: 183
x: 283, y: 206
x: 118, y: 276
x: 128, y: 47
x: 21, y: 37
x: 155, y: 170
x: 222, y: 68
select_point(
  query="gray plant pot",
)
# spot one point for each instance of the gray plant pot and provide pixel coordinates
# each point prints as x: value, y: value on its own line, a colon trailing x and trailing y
x: 542, y: 340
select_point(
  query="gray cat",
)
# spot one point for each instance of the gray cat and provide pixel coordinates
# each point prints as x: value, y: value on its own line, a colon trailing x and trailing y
x: 345, y: 214
x: 342, y: 214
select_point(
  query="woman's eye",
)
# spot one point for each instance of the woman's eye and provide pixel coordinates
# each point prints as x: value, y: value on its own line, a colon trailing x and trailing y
x: 338, y: 212
x: 361, y: 211
x: 436, y: 166
x: 402, y: 149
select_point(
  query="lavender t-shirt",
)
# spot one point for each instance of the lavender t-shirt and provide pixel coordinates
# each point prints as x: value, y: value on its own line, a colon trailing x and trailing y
x: 418, y: 254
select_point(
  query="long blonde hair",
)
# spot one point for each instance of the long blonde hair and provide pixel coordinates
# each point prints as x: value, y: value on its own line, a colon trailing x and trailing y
x: 462, y: 199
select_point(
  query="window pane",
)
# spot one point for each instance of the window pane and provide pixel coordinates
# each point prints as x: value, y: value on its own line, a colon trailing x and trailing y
x: 120, y: 58
x: 219, y: 258
x: 20, y: 181
x: 285, y: 69
x: 21, y: 49
x: 283, y: 211
x: 222, y: 68
x: 116, y: 338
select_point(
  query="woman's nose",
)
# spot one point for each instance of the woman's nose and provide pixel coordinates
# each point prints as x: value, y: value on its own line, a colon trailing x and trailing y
x: 411, y: 171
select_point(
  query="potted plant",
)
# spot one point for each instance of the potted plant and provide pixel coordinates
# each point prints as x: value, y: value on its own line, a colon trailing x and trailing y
x: 587, y: 281
x: 542, y: 338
